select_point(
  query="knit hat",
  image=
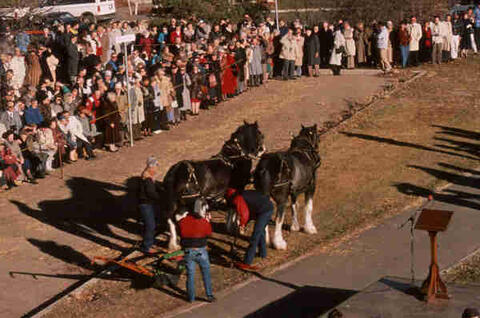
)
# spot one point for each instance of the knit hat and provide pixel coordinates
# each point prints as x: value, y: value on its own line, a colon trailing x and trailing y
x: 152, y: 162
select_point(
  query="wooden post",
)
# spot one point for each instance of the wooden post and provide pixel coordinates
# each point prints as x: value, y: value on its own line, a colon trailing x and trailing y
x: 433, y: 287
x: 434, y: 221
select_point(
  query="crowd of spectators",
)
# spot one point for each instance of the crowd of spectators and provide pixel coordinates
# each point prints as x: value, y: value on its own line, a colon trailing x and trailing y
x: 64, y: 92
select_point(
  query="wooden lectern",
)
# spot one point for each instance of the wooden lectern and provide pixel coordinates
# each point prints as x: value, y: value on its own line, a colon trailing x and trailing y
x: 434, y: 221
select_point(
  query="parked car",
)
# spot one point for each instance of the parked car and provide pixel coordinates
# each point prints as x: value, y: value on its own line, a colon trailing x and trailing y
x: 88, y: 11
x: 53, y: 18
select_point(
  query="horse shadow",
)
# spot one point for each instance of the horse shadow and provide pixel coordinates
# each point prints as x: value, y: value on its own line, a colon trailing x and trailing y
x: 91, y: 211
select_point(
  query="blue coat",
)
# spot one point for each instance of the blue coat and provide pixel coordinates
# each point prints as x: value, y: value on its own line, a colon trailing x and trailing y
x: 33, y: 116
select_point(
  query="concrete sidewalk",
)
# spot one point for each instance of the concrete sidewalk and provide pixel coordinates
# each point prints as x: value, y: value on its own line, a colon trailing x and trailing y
x: 378, y: 252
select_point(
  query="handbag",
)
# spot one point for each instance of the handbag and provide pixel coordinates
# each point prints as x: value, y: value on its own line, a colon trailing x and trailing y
x: 174, y: 104
x: 341, y: 50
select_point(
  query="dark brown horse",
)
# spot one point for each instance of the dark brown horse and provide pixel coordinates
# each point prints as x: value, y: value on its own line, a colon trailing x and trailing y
x: 287, y: 174
x: 187, y: 181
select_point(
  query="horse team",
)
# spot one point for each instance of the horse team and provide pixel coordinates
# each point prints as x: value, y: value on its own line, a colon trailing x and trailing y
x: 283, y: 175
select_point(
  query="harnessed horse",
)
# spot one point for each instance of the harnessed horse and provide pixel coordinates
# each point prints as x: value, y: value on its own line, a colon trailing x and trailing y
x: 189, y: 180
x: 289, y: 174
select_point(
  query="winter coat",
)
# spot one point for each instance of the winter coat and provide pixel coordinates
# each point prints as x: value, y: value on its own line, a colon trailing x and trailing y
x: 447, y: 35
x: 196, y: 89
x: 34, y: 71
x: 11, y: 119
x: 299, y: 42
x: 312, y: 50
x: 186, y: 98
x: 349, y: 42
x: 288, y: 48
x: 72, y: 59
x: 17, y: 65
x: 415, y: 31
x: 45, y: 139
x: 360, y: 46
x: 138, y: 110
x: 166, y: 89
x: 256, y: 61
x: 338, y: 44
x: 110, y: 111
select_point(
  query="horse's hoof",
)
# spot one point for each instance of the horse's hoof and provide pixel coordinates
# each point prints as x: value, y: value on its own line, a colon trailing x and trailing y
x: 280, y: 245
x: 310, y: 230
x: 295, y: 227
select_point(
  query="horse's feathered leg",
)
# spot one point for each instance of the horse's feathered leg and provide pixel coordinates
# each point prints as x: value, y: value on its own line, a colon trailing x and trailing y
x: 295, y: 227
x: 309, y: 227
x: 172, y: 244
x: 278, y: 241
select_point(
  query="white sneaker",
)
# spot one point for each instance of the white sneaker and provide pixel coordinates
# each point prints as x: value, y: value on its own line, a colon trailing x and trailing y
x: 156, y: 132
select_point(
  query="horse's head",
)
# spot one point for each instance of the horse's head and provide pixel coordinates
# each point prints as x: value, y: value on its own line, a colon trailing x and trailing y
x: 311, y: 134
x: 248, y: 141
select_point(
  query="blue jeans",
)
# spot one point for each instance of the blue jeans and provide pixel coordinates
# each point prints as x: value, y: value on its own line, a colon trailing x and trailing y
x: 149, y: 224
x: 258, y: 238
x: 404, y: 50
x: 197, y: 256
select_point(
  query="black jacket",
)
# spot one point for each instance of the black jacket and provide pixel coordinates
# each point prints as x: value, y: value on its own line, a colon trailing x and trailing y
x: 147, y: 193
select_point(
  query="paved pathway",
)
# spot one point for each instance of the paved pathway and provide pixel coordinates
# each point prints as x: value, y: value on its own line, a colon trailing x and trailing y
x: 378, y: 252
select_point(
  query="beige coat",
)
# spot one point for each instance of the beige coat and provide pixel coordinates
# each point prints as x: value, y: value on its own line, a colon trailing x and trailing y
x: 349, y: 42
x: 288, y: 48
x: 415, y: 31
x: 447, y: 35
x: 122, y: 104
x: 166, y: 87
x: 299, y: 50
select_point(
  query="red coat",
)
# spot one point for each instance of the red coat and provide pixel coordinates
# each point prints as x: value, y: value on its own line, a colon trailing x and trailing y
x: 146, y: 44
x: 229, y: 79
x: 175, y: 35
x: 93, y: 104
x: 240, y: 206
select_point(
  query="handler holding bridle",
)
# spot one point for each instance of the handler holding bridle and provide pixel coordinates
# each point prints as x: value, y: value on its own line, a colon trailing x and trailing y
x: 252, y: 205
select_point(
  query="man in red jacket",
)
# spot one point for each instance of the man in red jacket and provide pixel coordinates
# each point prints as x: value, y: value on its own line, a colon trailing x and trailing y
x: 252, y: 205
x: 194, y: 230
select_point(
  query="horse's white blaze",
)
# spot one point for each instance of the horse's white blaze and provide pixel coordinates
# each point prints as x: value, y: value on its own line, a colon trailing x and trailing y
x: 295, y: 226
x: 172, y: 244
x: 309, y: 226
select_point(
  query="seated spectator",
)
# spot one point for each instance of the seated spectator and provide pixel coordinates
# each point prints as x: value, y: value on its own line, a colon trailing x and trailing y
x: 46, y: 145
x: 9, y: 167
x: 74, y: 129
x: 24, y: 164
x: 33, y: 114
x: 11, y: 118
x: 29, y: 147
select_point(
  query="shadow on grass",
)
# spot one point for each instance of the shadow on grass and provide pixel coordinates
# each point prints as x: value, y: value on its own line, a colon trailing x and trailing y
x: 408, y: 144
x: 460, y: 198
x: 457, y: 132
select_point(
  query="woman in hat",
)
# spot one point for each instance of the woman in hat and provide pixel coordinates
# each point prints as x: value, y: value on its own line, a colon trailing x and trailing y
x: 148, y: 198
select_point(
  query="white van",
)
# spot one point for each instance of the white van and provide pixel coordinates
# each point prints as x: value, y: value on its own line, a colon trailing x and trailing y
x: 89, y: 11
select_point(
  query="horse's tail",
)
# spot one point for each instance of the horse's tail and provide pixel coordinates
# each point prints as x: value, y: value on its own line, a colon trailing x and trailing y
x: 263, y: 179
